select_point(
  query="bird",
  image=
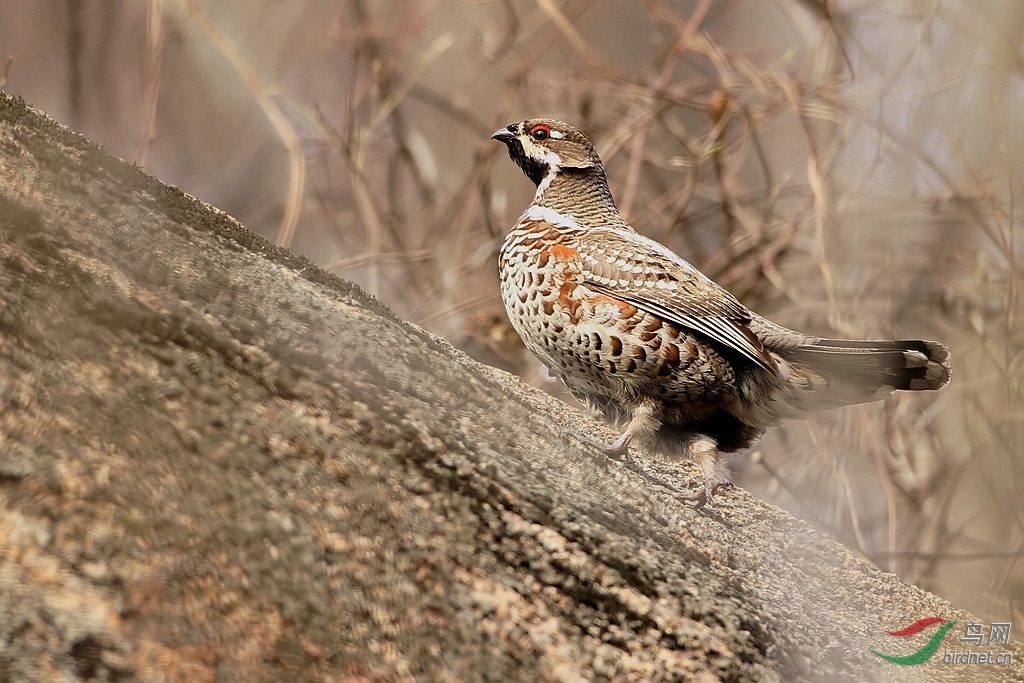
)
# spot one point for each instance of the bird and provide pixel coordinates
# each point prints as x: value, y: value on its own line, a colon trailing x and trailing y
x: 638, y: 333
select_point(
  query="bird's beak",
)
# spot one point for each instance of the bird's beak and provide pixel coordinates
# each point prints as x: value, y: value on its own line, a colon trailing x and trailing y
x: 503, y: 135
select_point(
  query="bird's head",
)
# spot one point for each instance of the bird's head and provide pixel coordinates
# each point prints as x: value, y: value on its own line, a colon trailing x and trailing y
x: 543, y: 148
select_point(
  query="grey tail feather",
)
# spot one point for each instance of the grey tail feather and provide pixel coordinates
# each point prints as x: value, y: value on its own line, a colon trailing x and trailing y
x: 909, y: 365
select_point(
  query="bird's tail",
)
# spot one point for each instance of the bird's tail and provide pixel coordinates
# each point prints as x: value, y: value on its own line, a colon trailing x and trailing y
x: 859, y: 371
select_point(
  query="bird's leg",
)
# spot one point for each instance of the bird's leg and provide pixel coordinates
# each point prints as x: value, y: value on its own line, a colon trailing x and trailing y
x: 704, y: 450
x: 645, y: 418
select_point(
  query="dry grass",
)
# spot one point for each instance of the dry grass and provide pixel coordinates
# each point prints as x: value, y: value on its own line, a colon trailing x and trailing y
x: 844, y: 167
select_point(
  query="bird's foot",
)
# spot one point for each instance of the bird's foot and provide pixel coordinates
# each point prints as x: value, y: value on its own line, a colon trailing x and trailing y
x: 704, y: 451
x: 619, y: 450
x: 702, y: 499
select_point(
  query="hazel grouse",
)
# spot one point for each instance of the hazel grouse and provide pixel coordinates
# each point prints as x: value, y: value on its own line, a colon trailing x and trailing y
x: 637, y: 332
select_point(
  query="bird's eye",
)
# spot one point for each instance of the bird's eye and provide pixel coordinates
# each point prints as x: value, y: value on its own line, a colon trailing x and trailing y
x: 540, y: 132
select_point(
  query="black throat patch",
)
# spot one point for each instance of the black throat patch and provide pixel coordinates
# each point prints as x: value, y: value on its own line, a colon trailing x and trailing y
x: 534, y: 169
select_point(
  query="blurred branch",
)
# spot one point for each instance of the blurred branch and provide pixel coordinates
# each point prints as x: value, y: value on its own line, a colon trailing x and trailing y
x: 154, y: 61
x: 6, y: 71
x: 277, y: 119
x: 568, y: 30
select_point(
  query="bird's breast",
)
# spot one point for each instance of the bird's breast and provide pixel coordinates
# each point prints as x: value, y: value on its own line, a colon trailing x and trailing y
x: 595, y: 343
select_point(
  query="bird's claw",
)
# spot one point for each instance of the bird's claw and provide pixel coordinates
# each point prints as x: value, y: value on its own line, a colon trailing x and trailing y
x: 702, y: 499
x: 616, y: 451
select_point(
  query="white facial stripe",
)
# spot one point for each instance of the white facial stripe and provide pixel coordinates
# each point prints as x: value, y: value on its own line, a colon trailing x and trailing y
x: 543, y: 185
x: 554, y: 164
x: 558, y: 135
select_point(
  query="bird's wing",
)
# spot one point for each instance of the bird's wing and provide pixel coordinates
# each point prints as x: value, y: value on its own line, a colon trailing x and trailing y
x: 638, y: 270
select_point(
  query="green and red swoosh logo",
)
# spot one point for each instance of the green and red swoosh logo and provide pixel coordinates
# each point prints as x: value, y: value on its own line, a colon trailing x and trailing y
x: 930, y: 647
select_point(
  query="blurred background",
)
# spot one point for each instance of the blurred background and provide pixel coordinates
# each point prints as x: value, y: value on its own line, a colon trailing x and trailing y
x: 845, y: 167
